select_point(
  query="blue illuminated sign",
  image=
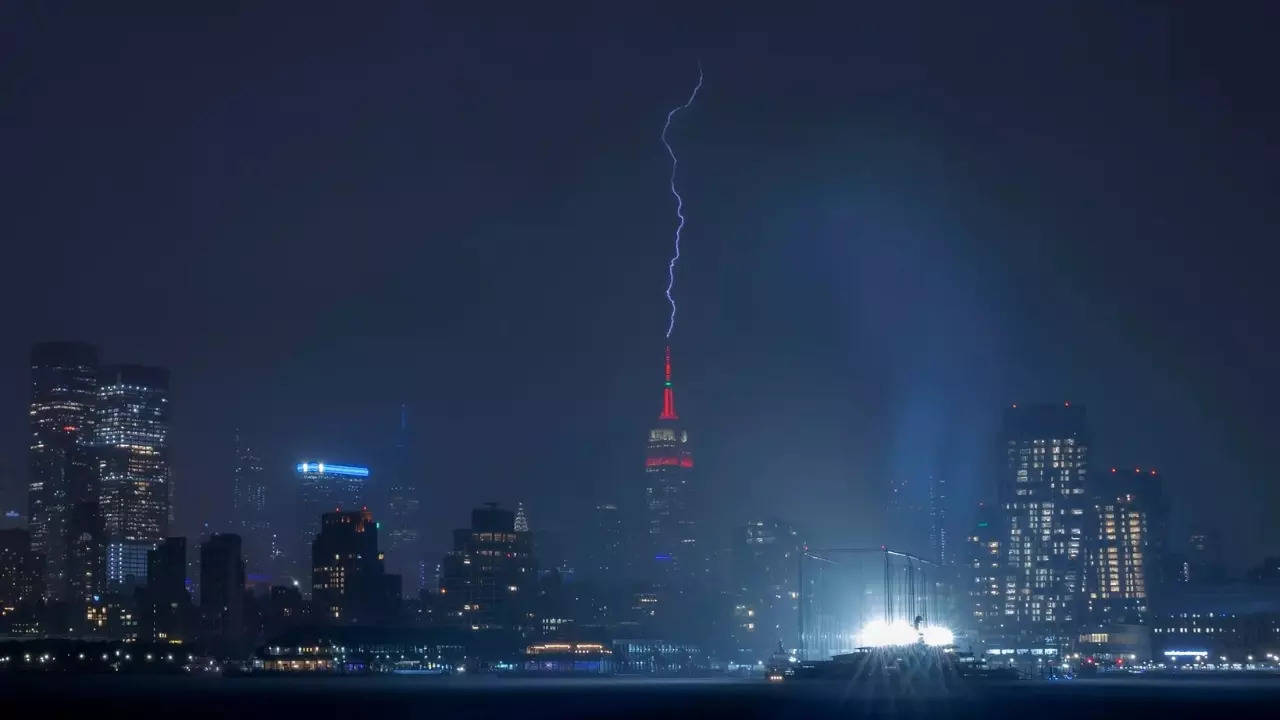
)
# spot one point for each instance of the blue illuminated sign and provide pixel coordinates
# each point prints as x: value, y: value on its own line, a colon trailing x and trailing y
x: 328, y: 469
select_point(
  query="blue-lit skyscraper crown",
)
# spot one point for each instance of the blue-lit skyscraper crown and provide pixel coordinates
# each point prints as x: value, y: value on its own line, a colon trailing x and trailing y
x: 324, y: 468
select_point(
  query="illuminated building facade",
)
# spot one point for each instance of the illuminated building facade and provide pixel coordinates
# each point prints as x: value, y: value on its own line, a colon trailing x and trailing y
x: 668, y: 486
x: 1044, y: 526
x: 489, y: 580
x: 986, y: 574
x: 249, y: 507
x: 569, y: 658
x: 21, y: 571
x: 131, y: 439
x: 64, y: 390
x: 349, y: 582
x: 127, y: 563
x: 403, y: 506
x: 1125, y: 557
x: 765, y: 556
x: 324, y: 488
x: 1227, y: 621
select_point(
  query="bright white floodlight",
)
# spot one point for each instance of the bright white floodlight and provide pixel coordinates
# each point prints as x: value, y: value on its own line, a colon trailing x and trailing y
x: 938, y: 636
x: 878, y: 633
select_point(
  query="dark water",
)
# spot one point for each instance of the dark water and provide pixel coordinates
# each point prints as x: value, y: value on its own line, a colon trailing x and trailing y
x: 518, y: 699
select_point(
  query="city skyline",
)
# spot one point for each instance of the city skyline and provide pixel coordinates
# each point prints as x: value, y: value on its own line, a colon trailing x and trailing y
x: 924, y: 501
x: 863, y: 282
x: 628, y: 360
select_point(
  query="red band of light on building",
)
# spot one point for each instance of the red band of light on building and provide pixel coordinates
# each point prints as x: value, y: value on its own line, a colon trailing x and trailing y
x: 685, y: 462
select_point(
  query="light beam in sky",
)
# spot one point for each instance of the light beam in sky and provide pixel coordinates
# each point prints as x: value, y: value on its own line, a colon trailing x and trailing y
x: 671, y: 267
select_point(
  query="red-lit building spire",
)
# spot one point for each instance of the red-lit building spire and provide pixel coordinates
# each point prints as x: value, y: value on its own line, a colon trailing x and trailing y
x: 668, y: 395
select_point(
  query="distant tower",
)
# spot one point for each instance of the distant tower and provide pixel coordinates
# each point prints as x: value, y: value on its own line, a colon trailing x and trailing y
x: 668, y: 473
x: 64, y: 389
x: 324, y: 488
x: 349, y: 581
x: 606, y: 547
x: 131, y: 438
x: 249, y: 506
x: 939, y: 534
x: 522, y: 520
x: 403, y: 506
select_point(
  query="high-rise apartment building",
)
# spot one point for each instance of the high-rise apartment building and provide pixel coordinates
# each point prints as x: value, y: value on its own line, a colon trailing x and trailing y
x: 766, y: 562
x: 64, y: 389
x: 986, y: 571
x: 349, y: 581
x: 324, y: 488
x: 131, y: 439
x: 1043, y: 502
x: 489, y: 580
x: 21, y: 571
x: 1126, y: 545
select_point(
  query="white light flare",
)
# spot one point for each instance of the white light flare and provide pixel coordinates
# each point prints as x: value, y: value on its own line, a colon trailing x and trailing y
x: 938, y: 636
x: 878, y: 633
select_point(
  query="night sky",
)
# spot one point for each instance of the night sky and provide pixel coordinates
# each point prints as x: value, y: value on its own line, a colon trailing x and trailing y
x: 900, y: 219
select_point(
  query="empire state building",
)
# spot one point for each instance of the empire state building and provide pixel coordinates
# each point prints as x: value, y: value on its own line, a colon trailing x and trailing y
x: 668, y: 486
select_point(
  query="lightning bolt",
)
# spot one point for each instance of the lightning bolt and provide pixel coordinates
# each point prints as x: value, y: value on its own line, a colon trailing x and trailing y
x: 671, y: 266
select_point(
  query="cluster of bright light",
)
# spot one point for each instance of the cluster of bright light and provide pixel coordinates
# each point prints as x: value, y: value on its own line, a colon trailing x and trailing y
x: 938, y: 636
x: 328, y: 469
x: 878, y: 633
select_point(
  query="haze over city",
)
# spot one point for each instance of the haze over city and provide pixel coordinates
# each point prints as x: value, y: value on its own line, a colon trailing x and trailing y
x: 884, y: 246
x: 435, y: 246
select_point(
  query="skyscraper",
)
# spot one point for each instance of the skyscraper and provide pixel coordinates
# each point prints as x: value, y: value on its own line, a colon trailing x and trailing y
x: 164, y: 607
x: 668, y: 483
x: 403, y: 506
x: 21, y: 571
x: 64, y: 387
x: 604, y: 564
x: 489, y: 579
x: 349, y: 581
x: 939, y: 534
x: 766, y: 557
x: 249, y: 507
x: 1126, y: 546
x: 1042, y: 495
x: 131, y: 439
x: 326, y: 487
x: 222, y: 593
x: 986, y: 572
